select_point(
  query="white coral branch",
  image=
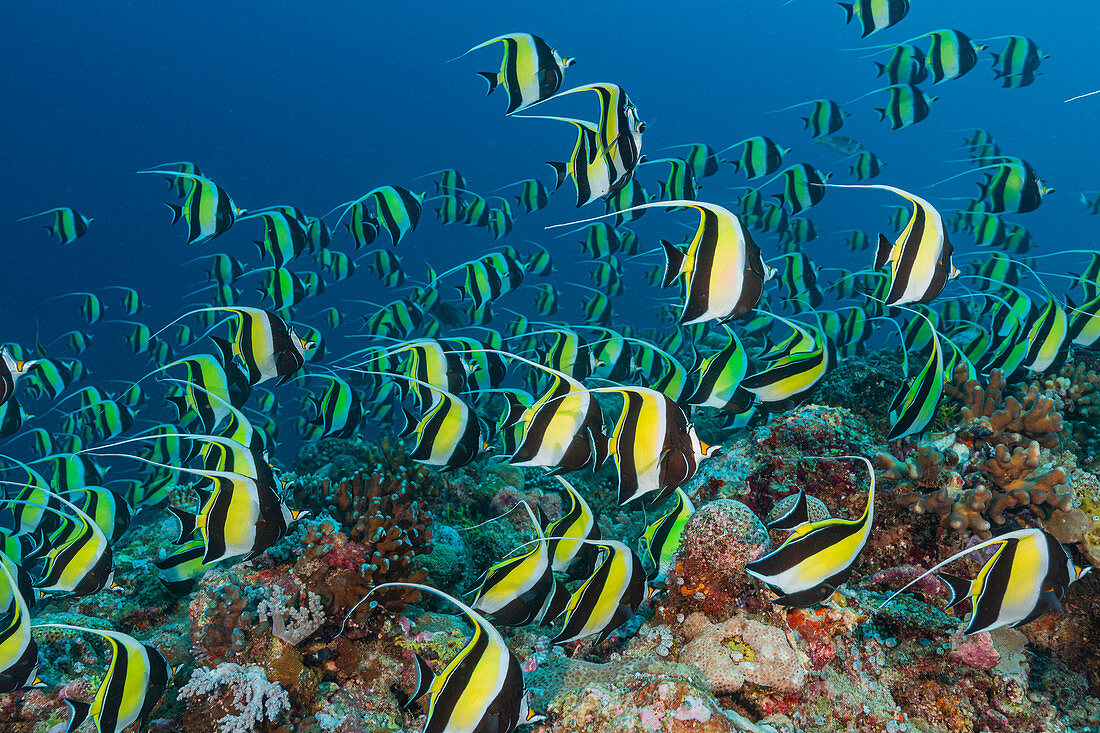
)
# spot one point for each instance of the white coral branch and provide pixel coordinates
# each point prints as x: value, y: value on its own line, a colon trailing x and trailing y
x: 254, y: 697
x: 292, y: 625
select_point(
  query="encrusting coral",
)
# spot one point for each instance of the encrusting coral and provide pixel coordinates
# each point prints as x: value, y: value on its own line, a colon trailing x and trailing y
x: 740, y: 650
x: 716, y: 544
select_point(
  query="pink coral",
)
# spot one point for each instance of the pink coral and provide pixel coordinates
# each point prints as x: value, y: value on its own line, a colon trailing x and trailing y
x: 509, y: 496
x: 974, y: 651
x: 717, y: 542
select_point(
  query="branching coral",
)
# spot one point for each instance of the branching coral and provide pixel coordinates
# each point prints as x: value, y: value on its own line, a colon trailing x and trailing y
x: 991, y: 464
x: 382, y: 526
x: 1005, y: 420
x: 1076, y: 390
x: 304, y: 619
x: 979, y: 495
x: 254, y: 698
x: 925, y: 466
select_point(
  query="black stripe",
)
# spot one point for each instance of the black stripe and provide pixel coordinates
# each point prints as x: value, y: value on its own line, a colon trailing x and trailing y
x: 461, y: 677
x: 798, y: 551
x: 910, y: 249
x: 511, y: 74
x: 987, y: 605
x: 698, y: 297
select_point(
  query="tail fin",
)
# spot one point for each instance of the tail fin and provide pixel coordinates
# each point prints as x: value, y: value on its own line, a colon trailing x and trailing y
x: 177, y: 212
x: 674, y: 263
x: 561, y: 170
x: 849, y: 12
x: 491, y: 78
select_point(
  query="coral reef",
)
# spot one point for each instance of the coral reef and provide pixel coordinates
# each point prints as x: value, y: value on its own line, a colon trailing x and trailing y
x: 741, y: 651
x: 717, y: 542
x: 265, y: 646
x: 996, y: 461
x: 631, y: 695
x: 237, y: 698
x: 378, y: 528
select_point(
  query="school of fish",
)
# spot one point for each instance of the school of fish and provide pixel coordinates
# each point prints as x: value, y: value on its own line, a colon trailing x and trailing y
x: 492, y: 374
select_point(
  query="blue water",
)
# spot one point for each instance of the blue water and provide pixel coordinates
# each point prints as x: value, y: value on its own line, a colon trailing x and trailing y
x: 316, y: 103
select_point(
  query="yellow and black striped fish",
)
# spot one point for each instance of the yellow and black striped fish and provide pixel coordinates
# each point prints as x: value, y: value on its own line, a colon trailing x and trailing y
x: 1017, y: 64
x: 722, y: 265
x: 11, y: 371
x: 516, y: 590
x: 1025, y: 578
x: 571, y: 537
x: 562, y: 430
x: 875, y: 15
x: 662, y: 537
x: 906, y: 65
x: 132, y: 686
x: 588, y: 166
x: 760, y: 156
x: 608, y: 598
x: 907, y: 105
x: 818, y: 556
x: 792, y: 377
x: 825, y: 118
x: 719, y: 381
x: 180, y: 570
x: 701, y: 158
x: 481, y: 689
x: 76, y: 557
x: 449, y: 433
x: 208, y: 209
x: 619, y: 131
x: 267, y: 346
x: 920, y: 258
x: 68, y: 224
x: 654, y: 446
x: 914, y: 406
x: 530, y: 71
x: 1047, y: 338
x: 18, y: 650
